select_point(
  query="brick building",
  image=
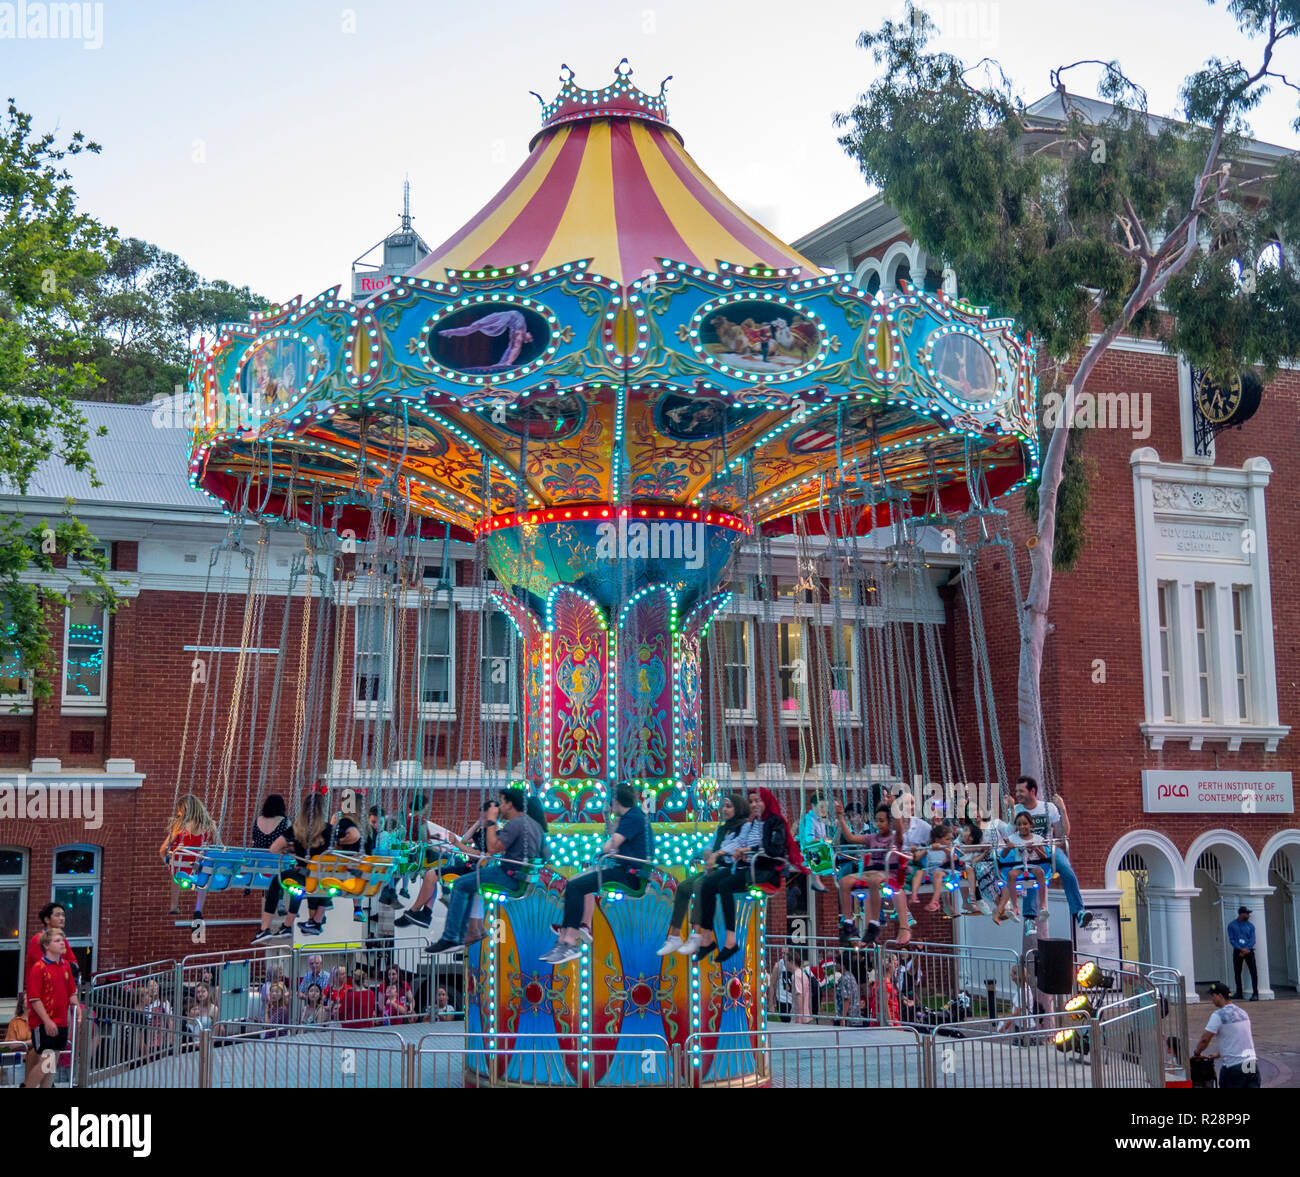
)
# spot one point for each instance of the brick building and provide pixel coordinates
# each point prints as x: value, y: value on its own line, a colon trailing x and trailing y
x: 1173, y: 669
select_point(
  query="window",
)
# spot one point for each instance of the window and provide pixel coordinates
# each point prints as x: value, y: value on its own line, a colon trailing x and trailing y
x: 844, y: 677
x: 15, y: 684
x: 792, y: 672
x: 436, y: 660
x: 85, y: 646
x: 498, y: 664
x: 1204, y: 606
x: 1164, y: 598
x: 373, y: 671
x: 1239, y: 651
x: 76, y: 890
x: 13, y: 914
x: 731, y: 646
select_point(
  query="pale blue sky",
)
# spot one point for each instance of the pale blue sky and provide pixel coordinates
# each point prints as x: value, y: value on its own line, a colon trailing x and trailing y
x: 266, y: 142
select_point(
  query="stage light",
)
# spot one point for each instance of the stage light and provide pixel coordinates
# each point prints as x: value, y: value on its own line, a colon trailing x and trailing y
x: 1079, y: 1007
x: 1092, y: 976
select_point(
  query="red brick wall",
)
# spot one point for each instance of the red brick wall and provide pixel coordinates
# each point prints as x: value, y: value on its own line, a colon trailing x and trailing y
x: 1096, y: 748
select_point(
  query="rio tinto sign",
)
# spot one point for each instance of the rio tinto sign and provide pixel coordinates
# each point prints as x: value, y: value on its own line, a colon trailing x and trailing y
x: 1216, y: 792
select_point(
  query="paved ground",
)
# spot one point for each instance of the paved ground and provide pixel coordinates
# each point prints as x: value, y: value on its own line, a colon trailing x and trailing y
x: 1275, y: 1026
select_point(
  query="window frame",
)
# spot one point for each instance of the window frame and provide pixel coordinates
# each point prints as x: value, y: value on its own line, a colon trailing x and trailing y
x: 18, y: 945
x: 383, y: 705
x: 84, y: 704
x: 508, y: 710
x: 96, y: 885
x: 748, y: 712
x: 435, y: 710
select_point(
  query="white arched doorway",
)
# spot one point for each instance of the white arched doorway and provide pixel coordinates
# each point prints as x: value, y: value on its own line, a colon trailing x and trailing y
x: 1279, y: 864
x: 1225, y: 869
x: 1146, y: 872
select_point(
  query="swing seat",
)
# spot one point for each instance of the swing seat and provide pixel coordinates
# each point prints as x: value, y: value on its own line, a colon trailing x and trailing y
x: 218, y: 868
x: 519, y: 890
x: 617, y: 891
x: 348, y: 874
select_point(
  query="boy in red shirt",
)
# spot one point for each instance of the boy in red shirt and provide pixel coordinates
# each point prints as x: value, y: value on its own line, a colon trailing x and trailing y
x: 51, y: 993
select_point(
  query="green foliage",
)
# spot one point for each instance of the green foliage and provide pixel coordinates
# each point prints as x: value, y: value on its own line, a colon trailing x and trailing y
x: 1071, y: 527
x: 1073, y: 225
x: 49, y: 253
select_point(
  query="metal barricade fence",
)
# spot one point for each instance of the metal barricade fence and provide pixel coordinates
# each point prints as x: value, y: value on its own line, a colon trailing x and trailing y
x: 1128, y: 1044
x: 324, y: 1058
x: 133, y: 1019
x: 933, y: 984
x: 505, y: 1060
x: 806, y: 1056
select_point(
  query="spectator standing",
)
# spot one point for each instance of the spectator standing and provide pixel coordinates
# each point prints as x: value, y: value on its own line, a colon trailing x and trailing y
x: 51, y: 995
x: 1241, y: 934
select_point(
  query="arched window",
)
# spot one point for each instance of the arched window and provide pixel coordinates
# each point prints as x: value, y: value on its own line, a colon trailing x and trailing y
x: 75, y: 888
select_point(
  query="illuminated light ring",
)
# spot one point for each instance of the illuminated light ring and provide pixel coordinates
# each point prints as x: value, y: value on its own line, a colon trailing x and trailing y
x: 721, y: 601
x: 489, y: 297
x: 609, y: 512
x: 1003, y: 392
x: 232, y: 391
x: 368, y: 323
x: 645, y: 592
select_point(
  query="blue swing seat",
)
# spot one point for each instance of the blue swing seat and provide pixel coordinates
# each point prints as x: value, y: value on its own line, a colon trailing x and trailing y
x: 219, y: 868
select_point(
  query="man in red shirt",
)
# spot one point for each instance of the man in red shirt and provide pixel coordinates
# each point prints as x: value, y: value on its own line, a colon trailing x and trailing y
x: 51, y: 993
x: 52, y: 915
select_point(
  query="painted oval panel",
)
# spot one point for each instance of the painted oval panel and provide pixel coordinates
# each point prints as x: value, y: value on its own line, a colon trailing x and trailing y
x: 488, y: 337
x: 966, y: 368
x: 759, y: 337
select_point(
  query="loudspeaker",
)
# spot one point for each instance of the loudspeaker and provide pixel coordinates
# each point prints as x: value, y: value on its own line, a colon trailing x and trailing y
x: 1054, y: 966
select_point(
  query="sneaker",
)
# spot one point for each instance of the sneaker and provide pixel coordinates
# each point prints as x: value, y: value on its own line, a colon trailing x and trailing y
x: 311, y: 927
x: 1031, y: 926
x: 283, y: 932
x: 1254, y: 997
x: 584, y: 934
x: 359, y: 916
x: 873, y: 930
x: 671, y: 945
x: 817, y: 884
x: 690, y: 945
x: 846, y: 935
x: 986, y: 908
x: 421, y: 917
x: 563, y: 953
x: 442, y: 946
x: 1084, y: 918
x: 262, y: 935
x: 552, y: 955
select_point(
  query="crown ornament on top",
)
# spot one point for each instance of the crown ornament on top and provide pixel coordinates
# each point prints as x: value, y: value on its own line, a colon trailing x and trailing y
x: 620, y: 99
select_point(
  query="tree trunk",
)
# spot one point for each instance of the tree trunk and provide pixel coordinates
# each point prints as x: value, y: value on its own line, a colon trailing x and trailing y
x: 1029, y: 699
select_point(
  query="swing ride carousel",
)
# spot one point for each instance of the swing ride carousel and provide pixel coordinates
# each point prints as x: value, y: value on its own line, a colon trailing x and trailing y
x: 610, y: 381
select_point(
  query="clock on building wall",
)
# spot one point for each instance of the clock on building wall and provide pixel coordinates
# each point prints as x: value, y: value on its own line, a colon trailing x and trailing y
x: 1222, y: 404
x: 1227, y: 403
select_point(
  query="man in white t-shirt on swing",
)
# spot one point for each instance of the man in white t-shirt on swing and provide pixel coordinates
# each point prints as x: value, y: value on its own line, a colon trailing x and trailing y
x: 1050, y: 821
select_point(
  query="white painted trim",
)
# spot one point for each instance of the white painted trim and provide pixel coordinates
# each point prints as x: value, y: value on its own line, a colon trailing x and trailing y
x: 1221, y: 568
x: 1136, y: 839
x: 1289, y: 837
x: 1221, y: 837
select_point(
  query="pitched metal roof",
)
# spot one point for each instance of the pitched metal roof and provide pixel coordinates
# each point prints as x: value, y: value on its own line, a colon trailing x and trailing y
x: 140, y: 461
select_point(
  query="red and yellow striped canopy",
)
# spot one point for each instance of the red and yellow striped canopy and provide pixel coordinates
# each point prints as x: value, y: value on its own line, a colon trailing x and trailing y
x: 623, y: 192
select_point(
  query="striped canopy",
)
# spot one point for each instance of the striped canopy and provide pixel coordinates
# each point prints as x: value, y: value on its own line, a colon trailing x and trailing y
x: 621, y: 191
